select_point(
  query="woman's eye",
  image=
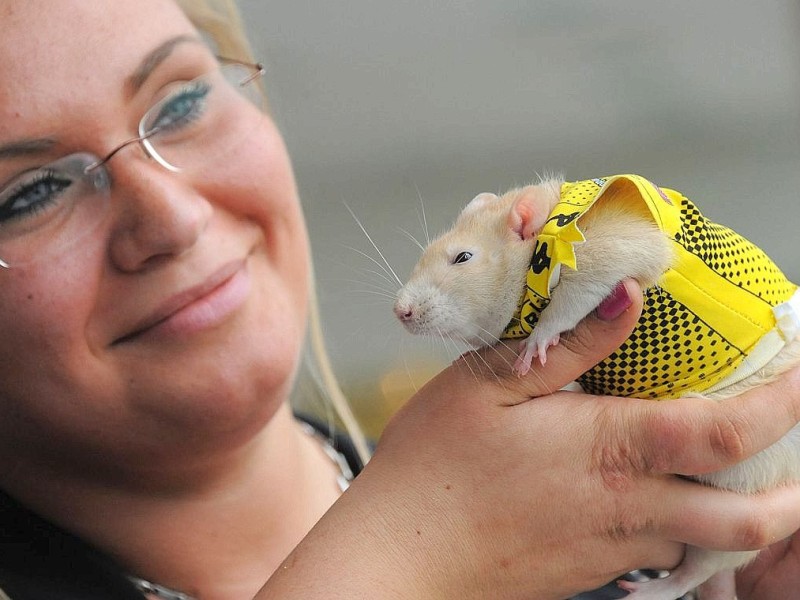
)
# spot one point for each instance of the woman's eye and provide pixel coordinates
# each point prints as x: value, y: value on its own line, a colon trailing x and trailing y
x: 180, y: 108
x: 32, y: 194
x: 462, y: 257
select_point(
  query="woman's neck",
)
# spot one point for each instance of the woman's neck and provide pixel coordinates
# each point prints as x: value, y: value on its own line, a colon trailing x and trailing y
x: 219, y: 539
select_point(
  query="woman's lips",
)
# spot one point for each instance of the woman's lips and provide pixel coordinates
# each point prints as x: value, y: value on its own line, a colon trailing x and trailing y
x: 198, y: 308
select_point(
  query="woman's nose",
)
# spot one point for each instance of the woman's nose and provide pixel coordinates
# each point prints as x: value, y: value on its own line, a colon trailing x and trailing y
x: 157, y: 215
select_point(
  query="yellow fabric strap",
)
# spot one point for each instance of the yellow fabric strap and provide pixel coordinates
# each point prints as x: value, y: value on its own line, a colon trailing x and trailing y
x: 555, y: 245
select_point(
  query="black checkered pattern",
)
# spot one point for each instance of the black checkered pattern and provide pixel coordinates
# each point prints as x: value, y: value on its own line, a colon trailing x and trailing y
x: 670, y: 344
x: 732, y: 256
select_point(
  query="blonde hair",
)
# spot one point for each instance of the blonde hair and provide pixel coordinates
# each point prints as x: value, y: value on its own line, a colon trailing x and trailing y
x: 221, y: 22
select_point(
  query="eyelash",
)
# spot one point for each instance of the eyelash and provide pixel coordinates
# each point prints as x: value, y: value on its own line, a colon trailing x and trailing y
x: 40, y: 178
x: 194, y: 95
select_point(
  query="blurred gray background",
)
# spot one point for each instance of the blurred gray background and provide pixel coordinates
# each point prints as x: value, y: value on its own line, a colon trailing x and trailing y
x: 389, y: 106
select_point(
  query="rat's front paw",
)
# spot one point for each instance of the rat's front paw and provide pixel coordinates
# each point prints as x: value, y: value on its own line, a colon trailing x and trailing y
x: 531, y: 347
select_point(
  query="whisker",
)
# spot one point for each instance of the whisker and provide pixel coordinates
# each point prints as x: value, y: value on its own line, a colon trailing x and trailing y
x: 383, y: 274
x: 413, y: 239
x: 380, y: 285
x: 385, y: 278
x: 378, y: 293
x: 492, y: 342
x: 485, y: 362
x: 465, y: 359
x: 479, y: 357
x: 547, y: 388
x: 489, y: 339
x: 510, y: 365
x: 454, y: 343
x: 424, y: 218
x: 374, y: 245
x: 387, y: 275
x: 408, y: 371
x: 445, y: 338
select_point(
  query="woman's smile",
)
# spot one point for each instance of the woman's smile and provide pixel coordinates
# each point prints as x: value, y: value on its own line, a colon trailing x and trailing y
x: 197, y: 308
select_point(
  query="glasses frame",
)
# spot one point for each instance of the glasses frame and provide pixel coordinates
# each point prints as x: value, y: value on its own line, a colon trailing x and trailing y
x: 143, y: 139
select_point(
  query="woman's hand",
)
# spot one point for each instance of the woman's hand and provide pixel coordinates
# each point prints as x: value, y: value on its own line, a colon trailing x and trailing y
x: 486, y: 485
x: 775, y: 571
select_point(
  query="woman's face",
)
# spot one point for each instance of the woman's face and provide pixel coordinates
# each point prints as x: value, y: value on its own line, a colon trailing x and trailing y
x: 175, y: 325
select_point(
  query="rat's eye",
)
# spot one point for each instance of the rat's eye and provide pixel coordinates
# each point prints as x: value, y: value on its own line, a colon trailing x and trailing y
x: 462, y: 257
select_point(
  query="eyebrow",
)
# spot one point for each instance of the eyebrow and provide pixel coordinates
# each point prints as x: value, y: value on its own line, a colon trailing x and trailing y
x: 155, y: 58
x: 26, y: 148
x: 148, y: 64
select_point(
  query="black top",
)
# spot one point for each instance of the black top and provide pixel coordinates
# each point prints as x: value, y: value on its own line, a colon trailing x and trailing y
x: 40, y: 561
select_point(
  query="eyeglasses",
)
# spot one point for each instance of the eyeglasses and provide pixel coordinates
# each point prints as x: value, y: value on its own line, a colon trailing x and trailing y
x: 48, y: 209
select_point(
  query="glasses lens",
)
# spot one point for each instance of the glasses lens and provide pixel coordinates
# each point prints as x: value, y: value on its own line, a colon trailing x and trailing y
x: 49, y: 208
x: 201, y: 120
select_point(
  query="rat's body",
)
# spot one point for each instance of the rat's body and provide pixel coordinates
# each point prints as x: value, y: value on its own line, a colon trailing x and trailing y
x: 469, y: 283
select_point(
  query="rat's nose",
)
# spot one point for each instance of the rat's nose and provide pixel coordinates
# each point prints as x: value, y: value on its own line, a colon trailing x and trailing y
x: 404, y: 312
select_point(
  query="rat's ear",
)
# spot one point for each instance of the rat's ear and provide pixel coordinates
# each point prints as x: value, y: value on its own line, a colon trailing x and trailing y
x: 479, y: 202
x: 528, y: 213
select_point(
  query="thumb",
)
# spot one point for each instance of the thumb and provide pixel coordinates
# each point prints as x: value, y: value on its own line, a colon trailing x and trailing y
x: 594, y: 339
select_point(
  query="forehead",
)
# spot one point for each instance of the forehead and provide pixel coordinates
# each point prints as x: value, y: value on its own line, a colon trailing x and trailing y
x: 51, y: 49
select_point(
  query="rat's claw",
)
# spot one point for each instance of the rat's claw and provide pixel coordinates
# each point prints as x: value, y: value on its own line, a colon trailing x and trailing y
x: 522, y: 366
x: 542, y: 352
x: 527, y: 352
x: 543, y: 346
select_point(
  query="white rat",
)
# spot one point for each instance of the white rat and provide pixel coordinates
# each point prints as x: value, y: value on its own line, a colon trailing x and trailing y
x: 540, y: 258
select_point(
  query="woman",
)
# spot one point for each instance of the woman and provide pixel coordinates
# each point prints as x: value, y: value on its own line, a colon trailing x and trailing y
x: 155, y: 298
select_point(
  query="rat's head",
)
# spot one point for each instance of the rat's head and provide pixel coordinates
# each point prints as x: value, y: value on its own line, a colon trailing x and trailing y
x: 469, y: 280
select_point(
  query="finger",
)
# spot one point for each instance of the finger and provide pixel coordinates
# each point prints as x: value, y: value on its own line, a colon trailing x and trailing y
x: 776, y: 570
x: 722, y: 520
x: 590, y: 342
x: 692, y: 436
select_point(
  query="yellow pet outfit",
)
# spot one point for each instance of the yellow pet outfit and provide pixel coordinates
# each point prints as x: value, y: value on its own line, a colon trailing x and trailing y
x: 720, y: 313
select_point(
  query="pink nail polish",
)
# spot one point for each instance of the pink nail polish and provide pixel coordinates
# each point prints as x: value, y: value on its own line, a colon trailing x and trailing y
x: 614, y: 305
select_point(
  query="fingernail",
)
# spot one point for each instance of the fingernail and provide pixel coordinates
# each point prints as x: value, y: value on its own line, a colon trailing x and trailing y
x: 614, y: 305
